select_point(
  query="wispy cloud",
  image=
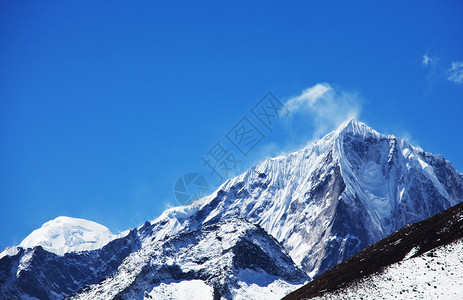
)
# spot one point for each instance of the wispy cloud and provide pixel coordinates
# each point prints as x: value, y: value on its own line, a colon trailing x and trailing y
x: 408, y: 137
x: 327, y: 106
x: 432, y: 64
x: 318, y: 110
x: 429, y: 60
x: 308, y: 97
x: 456, y: 72
x: 438, y: 71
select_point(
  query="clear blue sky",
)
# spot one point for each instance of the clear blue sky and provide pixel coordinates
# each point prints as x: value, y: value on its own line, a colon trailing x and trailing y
x: 105, y: 104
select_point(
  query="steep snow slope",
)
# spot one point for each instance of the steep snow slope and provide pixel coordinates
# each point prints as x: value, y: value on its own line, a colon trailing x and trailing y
x: 331, y: 199
x: 66, y: 234
x: 234, y: 257
x: 187, y: 289
x: 437, y: 274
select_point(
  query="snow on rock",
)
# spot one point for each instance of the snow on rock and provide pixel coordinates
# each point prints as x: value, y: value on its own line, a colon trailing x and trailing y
x: 66, y: 234
x: 13, y: 250
x: 37, y: 273
x: 229, y: 256
x: 436, y: 274
x: 256, y: 285
x: 187, y: 289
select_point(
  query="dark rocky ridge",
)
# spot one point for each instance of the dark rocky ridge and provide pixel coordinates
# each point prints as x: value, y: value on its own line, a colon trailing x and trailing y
x: 232, y: 245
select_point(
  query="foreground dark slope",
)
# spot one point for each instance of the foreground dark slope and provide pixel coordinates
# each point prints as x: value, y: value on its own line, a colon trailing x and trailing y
x: 441, y: 229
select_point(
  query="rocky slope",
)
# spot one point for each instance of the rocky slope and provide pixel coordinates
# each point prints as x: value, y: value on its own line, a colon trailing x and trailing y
x: 227, y: 256
x: 35, y: 272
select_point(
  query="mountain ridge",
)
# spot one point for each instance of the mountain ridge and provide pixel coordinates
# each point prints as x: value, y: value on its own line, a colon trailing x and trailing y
x: 216, y: 254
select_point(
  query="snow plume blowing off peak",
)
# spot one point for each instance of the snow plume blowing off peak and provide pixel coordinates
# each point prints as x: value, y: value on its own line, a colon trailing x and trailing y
x: 327, y: 106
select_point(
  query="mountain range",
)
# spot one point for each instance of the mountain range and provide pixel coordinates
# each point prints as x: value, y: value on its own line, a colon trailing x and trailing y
x: 264, y: 233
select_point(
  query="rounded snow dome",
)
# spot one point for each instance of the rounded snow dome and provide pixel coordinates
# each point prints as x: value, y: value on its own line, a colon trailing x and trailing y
x: 66, y: 234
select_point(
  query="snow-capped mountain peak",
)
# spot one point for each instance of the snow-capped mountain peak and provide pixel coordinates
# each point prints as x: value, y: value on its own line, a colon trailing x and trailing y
x: 67, y: 234
x: 332, y: 198
x: 358, y: 128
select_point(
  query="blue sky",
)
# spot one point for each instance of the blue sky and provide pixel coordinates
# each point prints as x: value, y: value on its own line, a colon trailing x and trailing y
x: 105, y: 105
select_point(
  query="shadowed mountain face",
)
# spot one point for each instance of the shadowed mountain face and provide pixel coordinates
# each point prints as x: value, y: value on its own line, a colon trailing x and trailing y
x: 409, y: 242
x: 321, y: 204
x: 216, y: 254
x: 45, y: 275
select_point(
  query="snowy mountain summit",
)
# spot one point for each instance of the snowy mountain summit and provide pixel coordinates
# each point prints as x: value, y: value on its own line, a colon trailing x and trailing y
x: 317, y: 207
x: 66, y: 234
x: 331, y: 199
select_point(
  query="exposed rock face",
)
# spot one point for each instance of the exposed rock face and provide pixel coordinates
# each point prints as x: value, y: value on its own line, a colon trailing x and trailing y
x: 45, y: 275
x: 215, y: 254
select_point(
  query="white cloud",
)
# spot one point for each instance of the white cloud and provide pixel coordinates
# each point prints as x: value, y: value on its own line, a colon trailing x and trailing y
x: 408, y: 137
x: 168, y: 204
x: 328, y: 107
x: 456, y: 72
x: 437, y: 72
x: 308, y: 97
x: 426, y: 60
x: 429, y: 60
